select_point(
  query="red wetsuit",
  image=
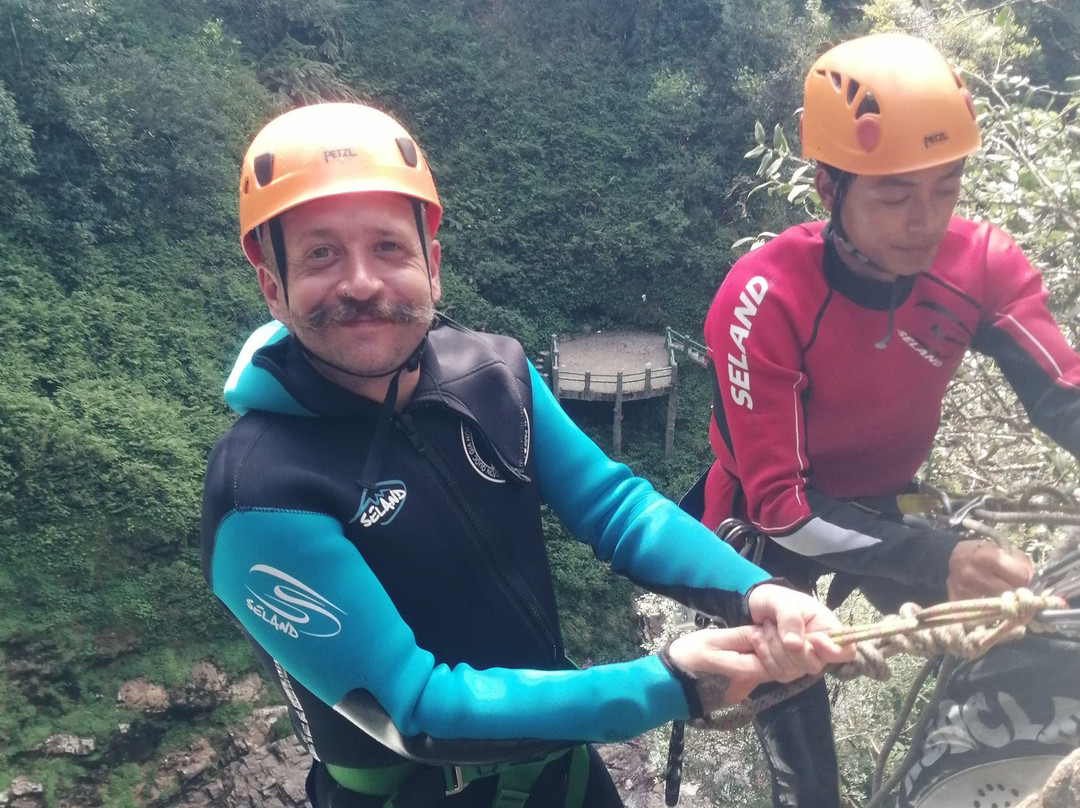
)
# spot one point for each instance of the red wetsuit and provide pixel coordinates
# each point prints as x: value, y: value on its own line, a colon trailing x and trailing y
x: 811, y: 411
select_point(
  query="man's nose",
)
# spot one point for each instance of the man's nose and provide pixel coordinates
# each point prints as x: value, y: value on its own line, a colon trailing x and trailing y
x: 919, y: 214
x: 359, y: 279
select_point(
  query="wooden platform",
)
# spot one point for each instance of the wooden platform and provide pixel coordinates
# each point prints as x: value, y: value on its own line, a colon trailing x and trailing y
x: 620, y: 366
x: 608, y: 364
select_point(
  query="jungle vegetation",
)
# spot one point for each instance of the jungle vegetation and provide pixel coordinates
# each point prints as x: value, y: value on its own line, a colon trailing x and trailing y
x: 592, y: 158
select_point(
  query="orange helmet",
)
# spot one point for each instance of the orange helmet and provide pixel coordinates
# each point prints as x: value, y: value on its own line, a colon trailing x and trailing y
x: 329, y: 149
x: 886, y: 104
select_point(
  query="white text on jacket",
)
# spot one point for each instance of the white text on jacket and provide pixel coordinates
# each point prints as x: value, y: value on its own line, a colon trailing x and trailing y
x: 737, y: 370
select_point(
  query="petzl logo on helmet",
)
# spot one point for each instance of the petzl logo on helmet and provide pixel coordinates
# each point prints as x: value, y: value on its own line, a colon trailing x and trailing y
x: 337, y: 154
x: 937, y: 137
x: 289, y: 605
x: 381, y: 505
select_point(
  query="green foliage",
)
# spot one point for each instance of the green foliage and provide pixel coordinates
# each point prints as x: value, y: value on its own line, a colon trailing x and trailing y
x: 595, y: 606
x: 120, y: 790
x: 16, y: 155
x: 589, y: 157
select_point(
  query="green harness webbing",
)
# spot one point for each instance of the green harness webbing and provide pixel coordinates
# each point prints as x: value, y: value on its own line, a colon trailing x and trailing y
x: 512, y: 789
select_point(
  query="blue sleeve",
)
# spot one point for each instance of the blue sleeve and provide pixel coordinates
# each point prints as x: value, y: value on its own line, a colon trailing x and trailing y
x: 325, y: 618
x: 644, y: 535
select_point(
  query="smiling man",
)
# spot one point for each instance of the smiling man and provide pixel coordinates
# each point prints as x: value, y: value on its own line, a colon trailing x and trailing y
x: 833, y: 346
x: 372, y: 520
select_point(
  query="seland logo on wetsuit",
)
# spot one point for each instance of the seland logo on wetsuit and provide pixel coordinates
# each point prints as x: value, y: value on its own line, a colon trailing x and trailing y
x: 290, y: 606
x: 381, y: 505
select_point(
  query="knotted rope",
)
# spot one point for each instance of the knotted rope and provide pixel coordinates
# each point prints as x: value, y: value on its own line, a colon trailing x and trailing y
x: 943, y: 634
x: 963, y: 628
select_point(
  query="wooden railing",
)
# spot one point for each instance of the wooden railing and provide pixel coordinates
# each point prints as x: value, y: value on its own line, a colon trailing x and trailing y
x: 695, y: 351
x: 589, y: 383
x: 620, y: 386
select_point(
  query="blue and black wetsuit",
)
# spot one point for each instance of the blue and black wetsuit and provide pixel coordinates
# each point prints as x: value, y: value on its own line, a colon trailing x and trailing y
x: 415, y: 619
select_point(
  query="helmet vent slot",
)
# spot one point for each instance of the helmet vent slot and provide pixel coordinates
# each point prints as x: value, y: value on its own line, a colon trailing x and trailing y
x: 408, y: 151
x: 264, y: 168
x: 836, y: 79
x: 868, y: 106
x: 852, y: 91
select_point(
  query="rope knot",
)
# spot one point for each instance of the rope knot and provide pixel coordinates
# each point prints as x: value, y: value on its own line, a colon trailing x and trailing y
x: 1021, y: 606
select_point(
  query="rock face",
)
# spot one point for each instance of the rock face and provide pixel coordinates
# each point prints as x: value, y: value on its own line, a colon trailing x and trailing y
x: 1062, y: 790
x: 271, y: 775
x: 255, y: 772
x: 640, y: 779
x: 254, y: 767
x: 23, y: 793
x: 67, y: 745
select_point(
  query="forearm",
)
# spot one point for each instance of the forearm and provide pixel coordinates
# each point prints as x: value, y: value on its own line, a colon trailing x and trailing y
x: 848, y: 539
x: 641, y: 533
x: 366, y: 648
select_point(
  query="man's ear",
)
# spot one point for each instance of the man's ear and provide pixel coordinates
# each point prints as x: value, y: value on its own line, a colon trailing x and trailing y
x: 825, y: 187
x: 272, y: 292
x: 434, y: 257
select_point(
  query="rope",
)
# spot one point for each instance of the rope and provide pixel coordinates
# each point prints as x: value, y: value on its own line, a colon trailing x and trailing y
x: 918, y: 736
x: 901, y: 718
x: 964, y: 629
x: 960, y: 629
x: 1051, y: 518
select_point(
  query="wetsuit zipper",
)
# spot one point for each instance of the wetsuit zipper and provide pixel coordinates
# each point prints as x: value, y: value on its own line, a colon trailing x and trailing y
x: 476, y: 527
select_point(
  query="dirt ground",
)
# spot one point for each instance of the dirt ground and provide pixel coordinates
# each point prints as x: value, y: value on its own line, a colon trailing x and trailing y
x: 610, y: 352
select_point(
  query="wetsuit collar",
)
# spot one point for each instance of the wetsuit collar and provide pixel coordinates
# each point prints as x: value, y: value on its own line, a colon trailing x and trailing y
x: 459, y: 371
x: 868, y: 293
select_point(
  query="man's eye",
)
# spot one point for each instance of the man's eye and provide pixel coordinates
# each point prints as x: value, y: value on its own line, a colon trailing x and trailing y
x: 320, y: 253
x: 894, y: 202
x: 387, y: 246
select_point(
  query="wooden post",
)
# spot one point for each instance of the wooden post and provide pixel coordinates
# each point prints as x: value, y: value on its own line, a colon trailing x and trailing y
x: 648, y: 376
x: 588, y: 382
x: 669, y: 435
x: 616, y: 437
x: 554, y: 366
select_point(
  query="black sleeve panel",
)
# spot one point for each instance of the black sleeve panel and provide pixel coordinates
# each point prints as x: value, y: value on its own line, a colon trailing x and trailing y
x: 1052, y: 406
x: 847, y: 538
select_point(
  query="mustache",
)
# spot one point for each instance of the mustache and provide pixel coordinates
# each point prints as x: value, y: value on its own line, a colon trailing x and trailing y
x: 348, y: 310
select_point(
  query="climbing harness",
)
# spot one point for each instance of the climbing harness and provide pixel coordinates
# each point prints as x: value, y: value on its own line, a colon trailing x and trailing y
x: 409, y: 784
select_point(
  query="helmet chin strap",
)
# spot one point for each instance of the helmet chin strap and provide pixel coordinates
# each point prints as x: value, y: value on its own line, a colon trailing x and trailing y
x: 412, y: 362
x: 836, y: 226
x: 835, y: 231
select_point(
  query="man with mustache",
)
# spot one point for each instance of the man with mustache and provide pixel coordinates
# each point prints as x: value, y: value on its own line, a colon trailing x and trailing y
x: 833, y: 346
x: 372, y: 520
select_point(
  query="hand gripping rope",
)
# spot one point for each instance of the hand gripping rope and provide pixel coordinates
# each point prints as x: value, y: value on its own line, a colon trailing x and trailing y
x: 960, y: 629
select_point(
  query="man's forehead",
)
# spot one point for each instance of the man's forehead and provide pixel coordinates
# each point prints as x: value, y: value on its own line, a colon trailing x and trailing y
x: 379, y: 211
x: 926, y: 175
